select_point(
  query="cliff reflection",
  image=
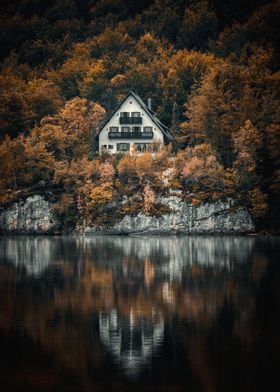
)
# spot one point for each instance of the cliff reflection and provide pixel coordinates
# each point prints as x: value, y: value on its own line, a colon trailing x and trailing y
x: 33, y: 254
x: 93, y: 301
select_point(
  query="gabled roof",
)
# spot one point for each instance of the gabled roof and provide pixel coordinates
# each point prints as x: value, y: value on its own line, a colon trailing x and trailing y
x: 149, y: 112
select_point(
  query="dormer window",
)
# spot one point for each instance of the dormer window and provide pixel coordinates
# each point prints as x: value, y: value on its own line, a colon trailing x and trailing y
x: 135, y: 114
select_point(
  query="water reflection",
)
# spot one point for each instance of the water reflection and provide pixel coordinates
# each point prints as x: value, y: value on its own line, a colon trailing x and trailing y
x: 33, y: 254
x: 173, y: 254
x: 134, y: 309
x: 176, y: 252
x: 131, y: 340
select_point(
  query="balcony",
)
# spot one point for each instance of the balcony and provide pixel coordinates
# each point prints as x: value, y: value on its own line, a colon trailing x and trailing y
x: 130, y: 120
x: 130, y: 135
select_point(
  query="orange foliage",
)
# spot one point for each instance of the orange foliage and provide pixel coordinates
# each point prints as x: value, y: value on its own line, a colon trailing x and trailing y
x: 149, y: 198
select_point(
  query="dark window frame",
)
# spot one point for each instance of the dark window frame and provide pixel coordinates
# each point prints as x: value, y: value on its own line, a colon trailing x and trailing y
x: 125, y: 129
x: 142, y: 147
x: 127, y: 147
x: 124, y: 114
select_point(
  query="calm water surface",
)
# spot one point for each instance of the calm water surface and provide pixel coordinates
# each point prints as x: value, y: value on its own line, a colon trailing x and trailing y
x: 142, y: 314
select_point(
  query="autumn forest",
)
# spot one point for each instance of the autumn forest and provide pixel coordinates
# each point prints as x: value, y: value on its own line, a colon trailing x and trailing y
x: 211, y: 69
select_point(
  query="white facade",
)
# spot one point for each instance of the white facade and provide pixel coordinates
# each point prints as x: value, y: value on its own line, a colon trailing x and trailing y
x: 141, y: 136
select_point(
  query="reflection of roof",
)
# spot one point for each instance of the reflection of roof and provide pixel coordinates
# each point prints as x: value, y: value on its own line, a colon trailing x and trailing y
x: 149, y: 112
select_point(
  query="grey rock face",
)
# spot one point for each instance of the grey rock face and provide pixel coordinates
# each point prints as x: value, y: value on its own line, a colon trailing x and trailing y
x: 34, y: 215
x: 219, y: 217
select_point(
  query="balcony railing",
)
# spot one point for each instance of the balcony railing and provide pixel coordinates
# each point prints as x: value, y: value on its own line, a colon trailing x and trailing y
x: 130, y: 135
x: 130, y: 120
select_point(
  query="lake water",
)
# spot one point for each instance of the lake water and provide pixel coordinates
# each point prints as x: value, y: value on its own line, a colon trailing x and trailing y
x: 139, y: 313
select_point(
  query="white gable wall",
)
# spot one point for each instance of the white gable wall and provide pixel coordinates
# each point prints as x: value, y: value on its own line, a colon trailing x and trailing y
x: 129, y: 105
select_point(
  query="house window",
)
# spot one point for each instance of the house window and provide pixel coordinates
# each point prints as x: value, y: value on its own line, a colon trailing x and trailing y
x: 114, y: 129
x: 125, y: 129
x: 124, y: 114
x: 148, y: 129
x: 136, y: 129
x: 110, y: 146
x: 123, y: 147
x: 135, y: 114
x: 141, y: 147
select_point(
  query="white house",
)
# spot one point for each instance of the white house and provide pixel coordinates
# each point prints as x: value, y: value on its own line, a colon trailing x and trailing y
x: 132, y: 126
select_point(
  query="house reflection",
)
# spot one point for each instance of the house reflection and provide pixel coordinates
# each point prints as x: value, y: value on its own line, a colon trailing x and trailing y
x: 132, y: 341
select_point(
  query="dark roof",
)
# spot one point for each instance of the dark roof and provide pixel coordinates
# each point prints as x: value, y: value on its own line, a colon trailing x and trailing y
x: 150, y: 113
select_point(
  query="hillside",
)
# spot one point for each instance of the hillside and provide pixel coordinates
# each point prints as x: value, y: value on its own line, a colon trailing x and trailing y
x: 210, y: 67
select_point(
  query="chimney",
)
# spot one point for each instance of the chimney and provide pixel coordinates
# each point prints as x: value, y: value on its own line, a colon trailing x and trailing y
x: 149, y: 103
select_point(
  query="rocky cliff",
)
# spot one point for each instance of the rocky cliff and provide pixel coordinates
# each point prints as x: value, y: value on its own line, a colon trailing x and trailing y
x: 35, y: 215
x: 183, y: 218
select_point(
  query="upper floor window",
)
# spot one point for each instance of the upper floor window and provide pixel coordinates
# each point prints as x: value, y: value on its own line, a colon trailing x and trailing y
x: 124, y: 114
x: 135, y: 114
x: 136, y: 129
x: 148, y: 129
x: 125, y: 129
x: 114, y: 129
